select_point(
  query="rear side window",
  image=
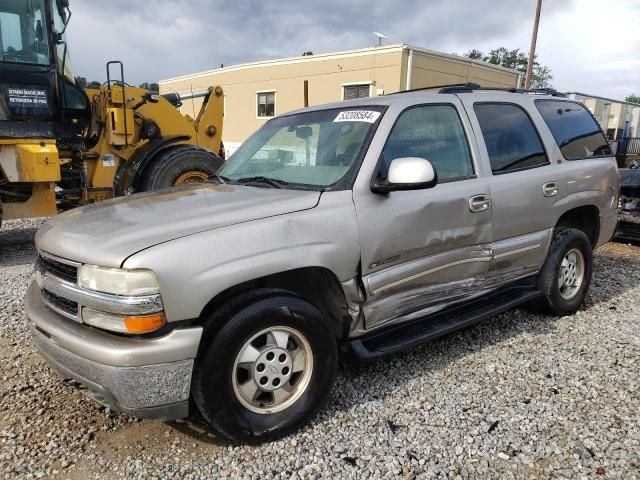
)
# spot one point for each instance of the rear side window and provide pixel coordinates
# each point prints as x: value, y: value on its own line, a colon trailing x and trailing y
x: 574, y: 129
x: 511, y: 139
x: 433, y: 132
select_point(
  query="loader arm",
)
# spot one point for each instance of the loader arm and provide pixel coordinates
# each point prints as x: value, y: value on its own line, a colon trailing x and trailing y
x: 208, y: 124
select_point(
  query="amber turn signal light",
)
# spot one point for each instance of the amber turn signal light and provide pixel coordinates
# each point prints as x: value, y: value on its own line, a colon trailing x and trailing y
x: 145, y: 324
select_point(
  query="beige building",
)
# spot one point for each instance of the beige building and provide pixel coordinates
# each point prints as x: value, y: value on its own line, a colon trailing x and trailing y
x: 255, y: 92
x: 612, y: 114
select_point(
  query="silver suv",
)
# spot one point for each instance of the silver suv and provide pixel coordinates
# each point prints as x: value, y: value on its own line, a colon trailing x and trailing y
x: 365, y: 226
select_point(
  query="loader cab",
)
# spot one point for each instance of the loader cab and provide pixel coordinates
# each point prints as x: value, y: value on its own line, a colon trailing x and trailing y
x: 38, y: 94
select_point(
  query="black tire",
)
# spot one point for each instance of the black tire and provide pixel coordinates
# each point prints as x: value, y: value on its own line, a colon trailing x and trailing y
x: 227, y: 332
x: 552, y: 301
x: 170, y: 164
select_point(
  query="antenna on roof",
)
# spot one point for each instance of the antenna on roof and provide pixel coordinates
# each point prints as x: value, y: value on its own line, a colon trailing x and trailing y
x: 380, y: 37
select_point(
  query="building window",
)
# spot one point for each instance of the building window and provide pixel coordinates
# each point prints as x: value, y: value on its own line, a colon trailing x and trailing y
x: 512, y: 141
x: 266, y: 104
x: 349, y: 92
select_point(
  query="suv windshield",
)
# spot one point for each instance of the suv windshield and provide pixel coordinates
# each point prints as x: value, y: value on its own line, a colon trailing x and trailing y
x: 311, y: 150
x: 23, y: 36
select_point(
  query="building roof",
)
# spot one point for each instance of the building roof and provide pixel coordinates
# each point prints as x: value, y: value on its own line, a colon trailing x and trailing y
x: 342, y: 54
x: 587, y: 95
x: 416, y: 97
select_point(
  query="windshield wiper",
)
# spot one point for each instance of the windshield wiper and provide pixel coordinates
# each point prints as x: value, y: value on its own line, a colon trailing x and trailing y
x: 263, y: 180
x: 219, y: 178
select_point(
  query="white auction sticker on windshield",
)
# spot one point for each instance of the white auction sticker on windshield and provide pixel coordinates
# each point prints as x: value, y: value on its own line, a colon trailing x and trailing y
x: 357, y: 116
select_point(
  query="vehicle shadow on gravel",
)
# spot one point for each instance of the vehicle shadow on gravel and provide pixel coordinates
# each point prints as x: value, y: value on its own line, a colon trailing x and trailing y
x: 616, y: 271
x: 197, y: 428
x: 17, y: 247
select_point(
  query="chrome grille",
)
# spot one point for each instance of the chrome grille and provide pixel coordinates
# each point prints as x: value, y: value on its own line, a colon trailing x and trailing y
x: 62, y: 305
x: 63, y: 271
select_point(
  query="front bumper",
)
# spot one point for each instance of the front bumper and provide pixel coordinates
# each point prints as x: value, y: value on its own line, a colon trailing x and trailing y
x: 628, y: 231
x: 146, y: 378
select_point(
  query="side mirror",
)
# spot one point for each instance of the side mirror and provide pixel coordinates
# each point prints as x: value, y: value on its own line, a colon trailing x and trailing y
x: 408, y: 173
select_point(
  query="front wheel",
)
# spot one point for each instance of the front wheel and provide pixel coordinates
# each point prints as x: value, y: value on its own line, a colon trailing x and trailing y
x: 267, y: 370
x: 566, y: 274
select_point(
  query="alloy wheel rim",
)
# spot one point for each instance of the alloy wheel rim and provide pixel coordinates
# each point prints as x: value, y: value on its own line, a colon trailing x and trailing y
x: 571, y: 274
x: 272, y: 370
x: 193, y: 176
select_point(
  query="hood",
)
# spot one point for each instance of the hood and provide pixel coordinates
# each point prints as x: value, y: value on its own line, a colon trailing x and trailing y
x: 107, y: 233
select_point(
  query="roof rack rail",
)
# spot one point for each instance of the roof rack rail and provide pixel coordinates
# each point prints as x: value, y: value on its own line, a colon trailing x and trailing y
x: 460, y: 88
x: 471, y: 87
x: 544, y: 91
x: 435, y: 87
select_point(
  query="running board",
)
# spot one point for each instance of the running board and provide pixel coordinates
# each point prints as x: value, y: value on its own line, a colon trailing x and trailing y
x: 403, y: 336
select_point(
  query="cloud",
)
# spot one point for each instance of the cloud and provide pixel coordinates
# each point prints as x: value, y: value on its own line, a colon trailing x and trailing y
x: 164, y: 38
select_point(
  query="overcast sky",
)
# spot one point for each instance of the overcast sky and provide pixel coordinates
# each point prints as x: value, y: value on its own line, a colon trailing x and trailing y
x: 591, y: 46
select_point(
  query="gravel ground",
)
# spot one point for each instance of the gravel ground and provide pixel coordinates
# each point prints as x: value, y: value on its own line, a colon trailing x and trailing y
x: 519, y: 396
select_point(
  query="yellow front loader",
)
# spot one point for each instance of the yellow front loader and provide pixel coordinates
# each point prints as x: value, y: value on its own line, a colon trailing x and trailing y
x: 62, y: 147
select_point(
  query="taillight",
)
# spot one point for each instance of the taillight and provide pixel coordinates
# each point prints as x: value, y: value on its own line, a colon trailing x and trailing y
x: 619, y: 191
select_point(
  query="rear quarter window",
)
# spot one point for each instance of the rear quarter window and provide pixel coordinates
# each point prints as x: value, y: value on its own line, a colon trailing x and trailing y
x: 574, y: 129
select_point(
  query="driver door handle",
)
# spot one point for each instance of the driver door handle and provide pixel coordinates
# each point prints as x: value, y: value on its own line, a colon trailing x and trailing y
x: 479, y: 203
x: 550, y: 189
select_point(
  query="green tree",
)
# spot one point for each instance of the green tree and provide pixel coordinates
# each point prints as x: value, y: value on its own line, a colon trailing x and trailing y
x: 94, y: 84
x: 516, y: 60
x: 81, y: 82
x: 633, y: 99
x: 153, y: 87
x: 474, y: 54
x: 308, y: 53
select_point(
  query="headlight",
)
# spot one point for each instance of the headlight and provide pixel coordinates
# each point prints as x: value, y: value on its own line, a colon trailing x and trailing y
x: 116, y: 281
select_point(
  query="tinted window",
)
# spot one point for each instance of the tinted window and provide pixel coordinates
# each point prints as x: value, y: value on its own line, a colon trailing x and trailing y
x: 22, y: 35
x: 433, y: 132
x: 511, y: 139
x: 574, y: 129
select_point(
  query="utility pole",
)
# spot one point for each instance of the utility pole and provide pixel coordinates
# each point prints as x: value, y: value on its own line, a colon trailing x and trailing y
x: 532, y: 49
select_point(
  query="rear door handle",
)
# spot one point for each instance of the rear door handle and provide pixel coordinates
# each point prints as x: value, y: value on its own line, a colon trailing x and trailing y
x: 550, y: 189
x: 479, y: 203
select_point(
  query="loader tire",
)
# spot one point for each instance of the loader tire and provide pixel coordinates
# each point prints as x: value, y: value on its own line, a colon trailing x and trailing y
x: 179, y: 166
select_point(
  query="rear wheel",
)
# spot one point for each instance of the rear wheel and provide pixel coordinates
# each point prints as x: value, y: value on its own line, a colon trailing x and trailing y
x: 566, y: 274
x: 267, y: 370
x: 177, y: 166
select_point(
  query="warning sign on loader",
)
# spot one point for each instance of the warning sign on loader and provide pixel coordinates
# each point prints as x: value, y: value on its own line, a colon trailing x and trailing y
x: 32, y: 98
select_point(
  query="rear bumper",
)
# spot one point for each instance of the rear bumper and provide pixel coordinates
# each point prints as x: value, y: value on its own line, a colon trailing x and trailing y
x: 146, y: 378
